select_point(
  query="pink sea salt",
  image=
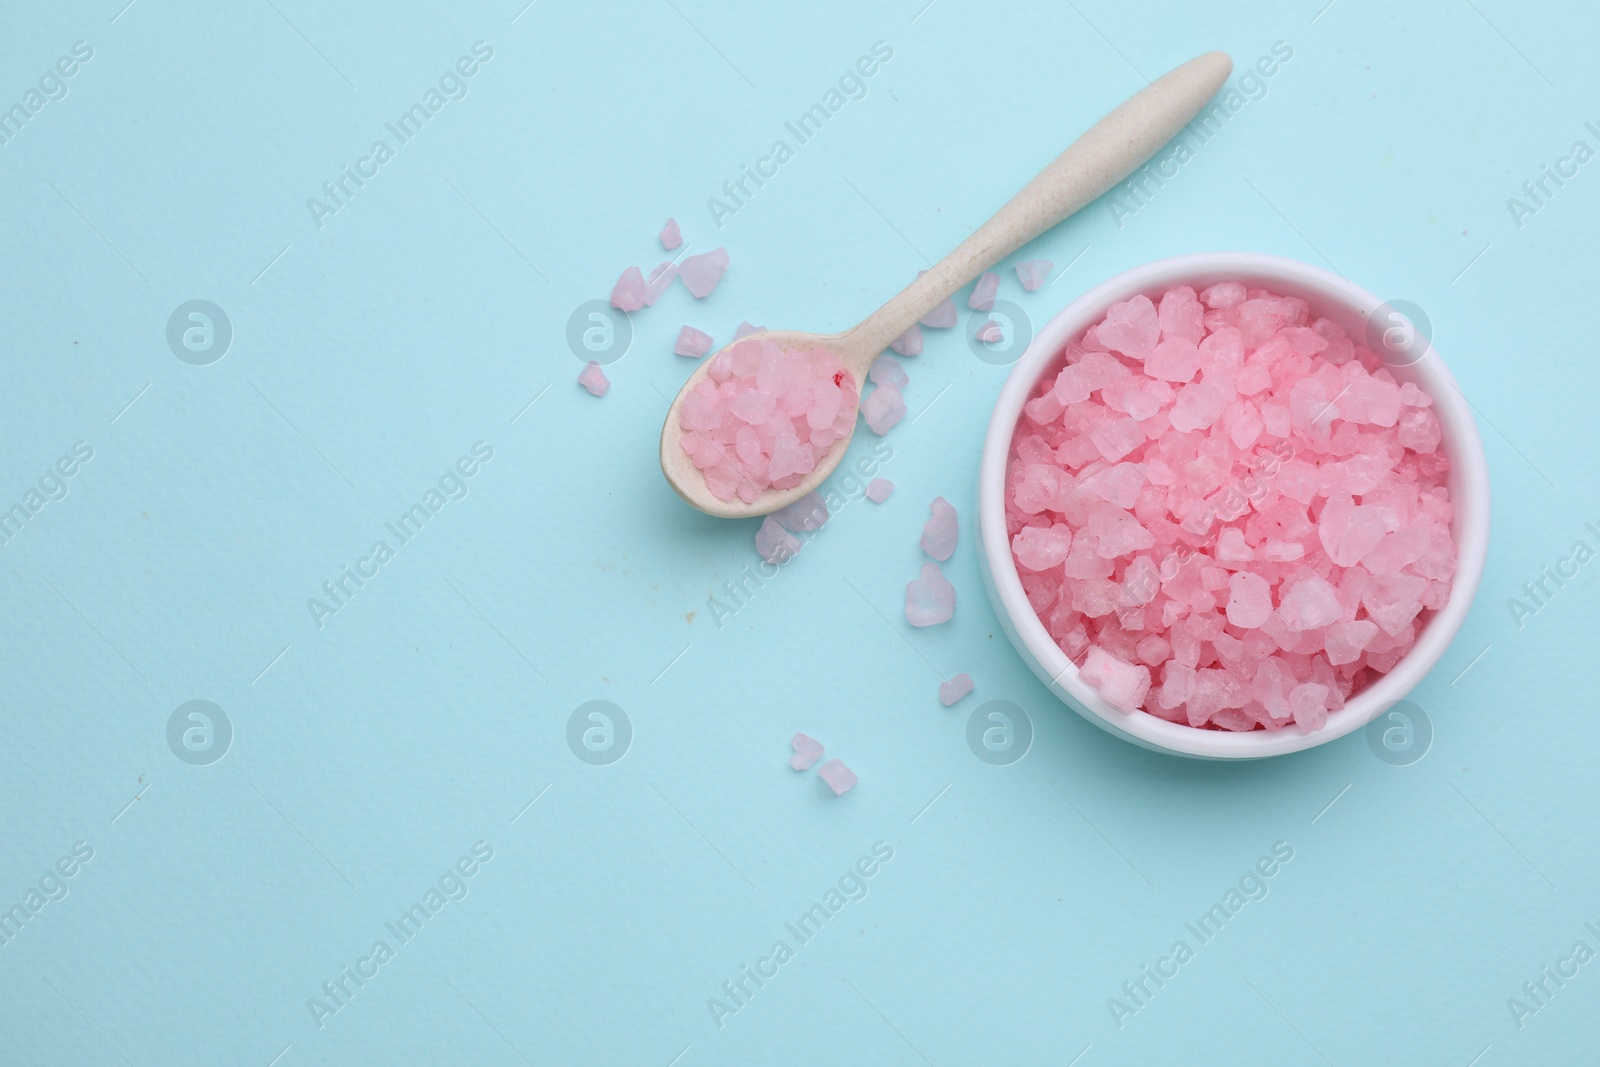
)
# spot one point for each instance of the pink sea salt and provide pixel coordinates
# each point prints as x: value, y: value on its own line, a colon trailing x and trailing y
x: 594, y: 379
x: 983, y: 292
x: 692, y: 343
x: 1033, y: 273
x: 746, y: 328
x: 878, y: 490
x: 991, y: 332
x: 670, y: 236
x: 776, y: 544
x: 840, y: 778
x: 701, y: 273
x: 940, y: 532
x: 629, y: 292
x: 660, y: 278
x: 807, y: 750
x: 1227, y: 512
x: 886, y: 370
x: 883, y: 408
x: 953, y: 689
x: 941, y: 317
x: 908, y: 343
x: 764, y: 416
x: 930, y: 599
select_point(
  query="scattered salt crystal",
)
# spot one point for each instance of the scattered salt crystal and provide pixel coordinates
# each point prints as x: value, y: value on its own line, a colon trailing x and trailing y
x: 883, y: 408
x: 939, y: 533
x: 908, y: 343
x: 806, y: 515
x: 887, y: 369
x: 807, y: 750
x: 628, y: 294
x: 983, y: 293
x: 1227, y: 492
x: 692, y: 343
x: 991, y: 333
x: 746, y: 329
x: 954, y: 689
x: 594, y: 379
x: 941, y: 317
x: 774, y: 543
x: 930, y: 599
x: 660, y: 278
x: 839, y: 777
x: 670, y: 236
x: 701, y: 273
x: 878, y: 490
x: 1032, y: 273
x: 1122, y: 684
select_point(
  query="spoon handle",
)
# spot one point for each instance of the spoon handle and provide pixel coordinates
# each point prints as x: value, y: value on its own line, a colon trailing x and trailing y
x: 1103, y: 156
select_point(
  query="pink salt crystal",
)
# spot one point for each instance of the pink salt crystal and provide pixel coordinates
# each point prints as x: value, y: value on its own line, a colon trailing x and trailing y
x: 746, y: 329
x: 1419, y: 430
x: 1181, y: 315
x: 1309, y: 702
x: 908, y: 343
x: 954, y: 689
x: 807, y: 751
x: 1120, y: 484
x: 692, y: 343
x: 939, y: 533
x: 1393, y: 600
x: 1310, y: 604
x: 878, y: 490
x: 806, y: 515
x: 594, y: 379
x: 1032, y: 273
x: 1173, y: 360
x: 930, y: 599
x: 629, y: 292
x: 839, y: 777
x: 886, y: 369
x: 1249, y: 600
x: 1040, y: 548
x: 660, y: 278
x: 1123, y: 685
x: 1131, y: 327
x: 701, y: 273
x: 1231, y: 546
x: 1345, y: 641
x: 1223, y: 295
x: 670, y: 237
x: 774, y: 543
x: 1198, y: 406
x: 1349, y: 531
x: 941, y: 317
x: 883, y: 408
x: 990, y: 333
x: 983, y: 293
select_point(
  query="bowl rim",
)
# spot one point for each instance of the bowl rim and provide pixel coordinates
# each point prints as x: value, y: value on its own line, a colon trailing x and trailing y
x: 1468, y: 480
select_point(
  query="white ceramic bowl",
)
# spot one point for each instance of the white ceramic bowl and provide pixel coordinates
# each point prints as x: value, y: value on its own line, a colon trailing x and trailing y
x: 1351, y: 307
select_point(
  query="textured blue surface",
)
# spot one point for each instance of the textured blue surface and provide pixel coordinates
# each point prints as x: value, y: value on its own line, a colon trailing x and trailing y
x: 376, y: 346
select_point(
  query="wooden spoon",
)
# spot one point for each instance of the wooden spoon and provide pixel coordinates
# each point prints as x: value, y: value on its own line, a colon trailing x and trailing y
x: 1093, y: 163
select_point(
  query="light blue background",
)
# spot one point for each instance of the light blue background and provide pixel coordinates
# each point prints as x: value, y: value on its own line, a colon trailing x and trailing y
x: 425, y: 316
